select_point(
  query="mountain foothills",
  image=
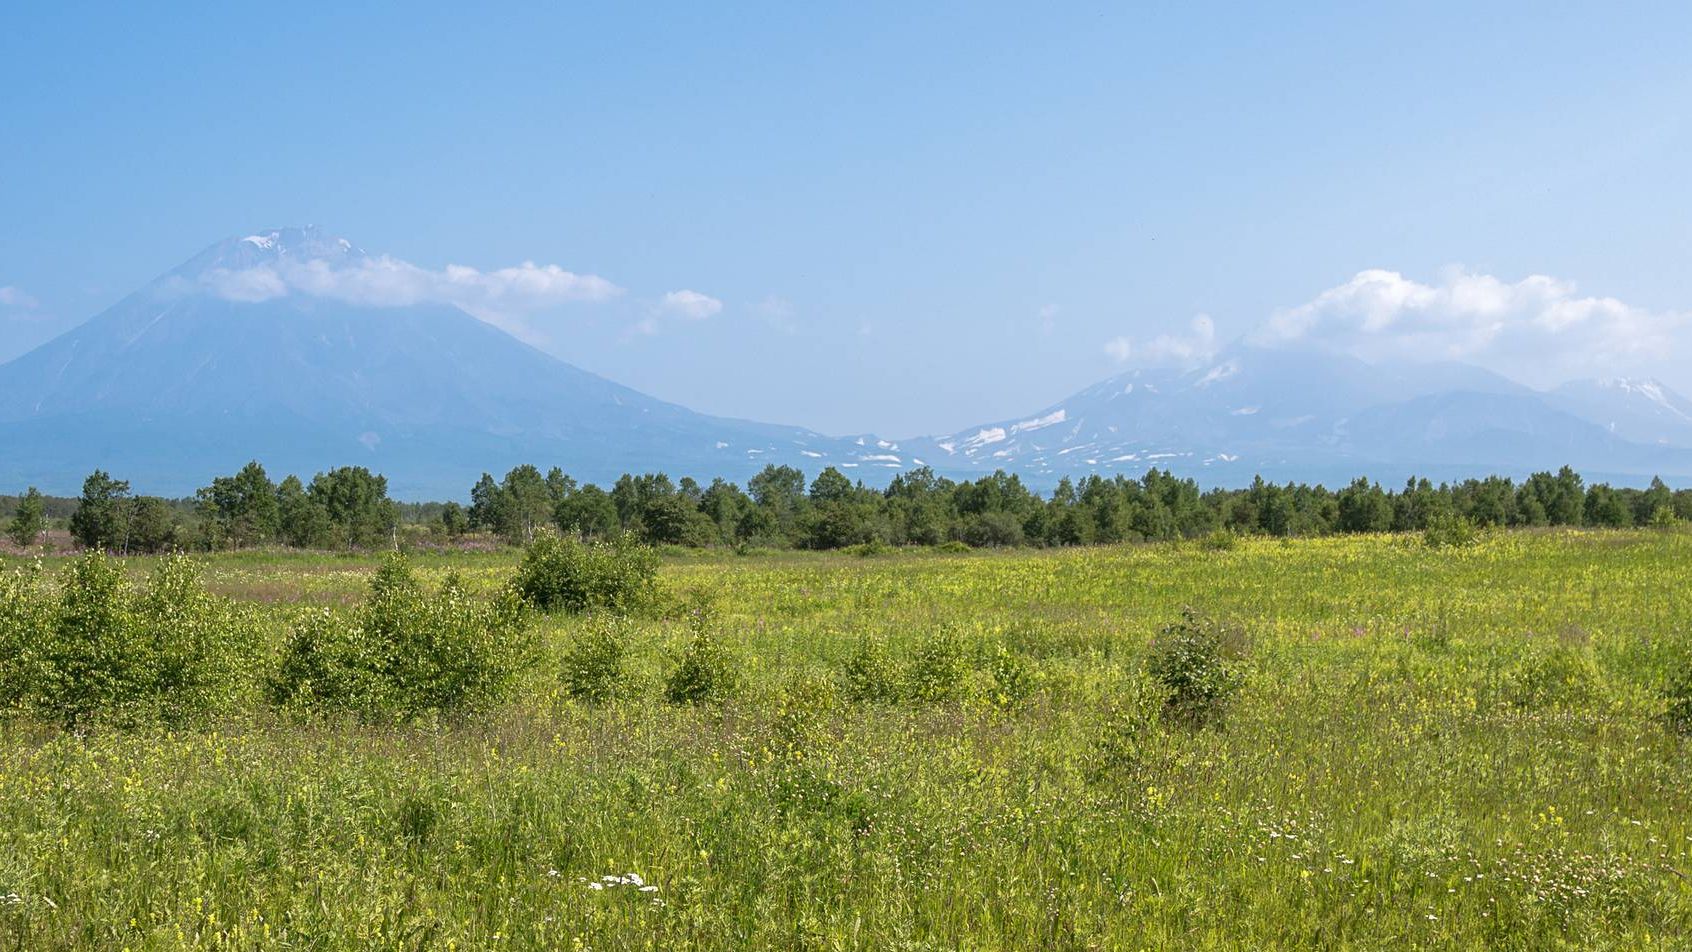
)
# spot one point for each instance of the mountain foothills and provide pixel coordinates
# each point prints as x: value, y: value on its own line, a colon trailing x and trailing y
x: 221, y: 361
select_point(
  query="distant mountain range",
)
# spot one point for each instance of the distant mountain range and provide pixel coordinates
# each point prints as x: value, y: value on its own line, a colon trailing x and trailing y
x: 1313, y: 416
x: 181, y: 381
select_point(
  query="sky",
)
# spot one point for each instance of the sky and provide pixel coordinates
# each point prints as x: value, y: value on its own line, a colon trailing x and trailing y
x: 900, y: 218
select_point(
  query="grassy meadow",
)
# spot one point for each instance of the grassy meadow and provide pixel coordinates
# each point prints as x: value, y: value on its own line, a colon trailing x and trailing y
x: 1428, y: 748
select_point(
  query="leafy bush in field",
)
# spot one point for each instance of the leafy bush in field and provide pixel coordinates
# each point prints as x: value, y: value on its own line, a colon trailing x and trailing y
x: 96, y: 650
x: 1220, y: 540
x: 1014, y: 680
x: 1551, y: 675
x: 1197, y: 661
x: 871, y: 674
x: 596, y: 665
x: 25, y: 613
x: 804, y: 706
x: 1678, y: 693
x: 620, y: 575
x: 939, y: 669
x: 407, y: 652
x: 708, y: 672
x: 1447, y: 530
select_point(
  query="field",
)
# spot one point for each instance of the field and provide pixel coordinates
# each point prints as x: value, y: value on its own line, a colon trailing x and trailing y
x: 1430, y: 748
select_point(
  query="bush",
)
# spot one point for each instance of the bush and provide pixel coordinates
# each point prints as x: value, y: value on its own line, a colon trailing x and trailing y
x: 993, y: 529
x: 1551, y: 676
x: 1197, y: 661
x: 953, y: 547
x: 26, y: 613
x: 1220, y: 540
x: 1678, y: 693
x: 1450, y: 531
x: 596, y: 666
x: 99, y: 652
x: 407, y: 652
x: 939, y: 670
x: 870, y: 674
x: 707, y: 672
x: 1014, y: 680
x: 620, y: 575
x: 804, y: 707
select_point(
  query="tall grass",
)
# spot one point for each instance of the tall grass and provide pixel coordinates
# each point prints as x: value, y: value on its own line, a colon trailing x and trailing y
x: 1460, y: 747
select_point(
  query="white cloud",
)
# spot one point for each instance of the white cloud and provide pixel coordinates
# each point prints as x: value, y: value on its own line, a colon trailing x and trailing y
x: 12, y: 296
x: 1198, y: 343
x: 1538, y: 330
x: 1048, y: 317
x: 691, y: 305
x: 391, y: 282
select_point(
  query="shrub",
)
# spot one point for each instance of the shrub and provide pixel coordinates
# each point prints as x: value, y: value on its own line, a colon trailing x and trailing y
x: 870, y: 674
x: 596, y: 665
x: 803, y: 710
x: 407, y: 652
x: 26, y: 612
x: 620, y: 575
x: 707, y: 672
x: 953, y: 547
x: 993, y: 530
x: 1678, y: 693
x: 102, y: 652
x: 1551, y: 675
x: 1220, y: 540
x: 1014, y: 680
x: 1197, y: 661
x: 939, y: 669
x: 1448, y: 530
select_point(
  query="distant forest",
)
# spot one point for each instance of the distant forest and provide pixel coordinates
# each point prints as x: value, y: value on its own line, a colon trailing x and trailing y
x: 349, y: 508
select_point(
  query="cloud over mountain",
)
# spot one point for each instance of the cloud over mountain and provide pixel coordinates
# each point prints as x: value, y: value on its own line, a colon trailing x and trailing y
x: 384, y: 281
x: 1539, y: 329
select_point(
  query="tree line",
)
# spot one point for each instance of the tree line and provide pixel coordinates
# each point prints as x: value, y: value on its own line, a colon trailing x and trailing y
x: 349, y: 508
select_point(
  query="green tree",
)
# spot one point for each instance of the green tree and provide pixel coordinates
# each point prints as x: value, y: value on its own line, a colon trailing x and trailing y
x: 243, y: 509
x: 528, y: 504
x: 487, y: 504
x: 454, y: 522
x: 588, y: 512
x: 28, y: 522
x: 152, y: 525
x: 1363, y: 507
x: 831, y: 485
x: 357, y: 504
x: 100, y: 520
x: 302, y: 521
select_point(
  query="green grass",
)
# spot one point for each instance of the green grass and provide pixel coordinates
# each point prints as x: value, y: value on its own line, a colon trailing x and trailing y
x: 1432, y: 749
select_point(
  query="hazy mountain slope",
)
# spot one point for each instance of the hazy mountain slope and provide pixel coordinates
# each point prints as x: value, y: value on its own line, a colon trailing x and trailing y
x: 175, y: 384
x: 1299, y: 414
x: 1642, y: 410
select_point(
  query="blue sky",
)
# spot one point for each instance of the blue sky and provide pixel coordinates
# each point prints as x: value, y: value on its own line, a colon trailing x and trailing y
x: 895, y: 220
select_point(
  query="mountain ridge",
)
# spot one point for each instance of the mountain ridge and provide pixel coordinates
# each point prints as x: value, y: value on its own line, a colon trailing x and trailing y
x: 224, y: 359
